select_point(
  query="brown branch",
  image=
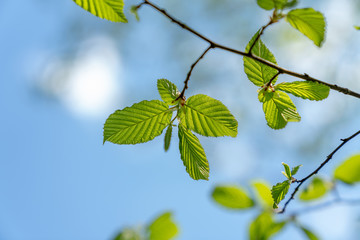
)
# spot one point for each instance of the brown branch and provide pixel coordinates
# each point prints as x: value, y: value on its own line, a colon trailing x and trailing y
x: 304, y: 76
x: 329, y: 157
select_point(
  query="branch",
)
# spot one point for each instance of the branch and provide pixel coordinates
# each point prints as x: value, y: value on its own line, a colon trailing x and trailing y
x: 329, y: 157
x: 304, y: 76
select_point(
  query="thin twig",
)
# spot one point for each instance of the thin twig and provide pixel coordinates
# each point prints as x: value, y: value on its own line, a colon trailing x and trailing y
x: 304, y: 76
x: 300, y: 182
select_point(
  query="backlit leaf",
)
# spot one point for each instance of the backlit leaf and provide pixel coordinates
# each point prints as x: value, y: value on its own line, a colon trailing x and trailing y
x: 305, y: 89
x: 112, y: 10
x: 259, y: 73
x: 128, y: 234
x: 192, y: 154
x: 139, y: 123
x: 309, y: 22
x: 264, y: 227
x: 209, y: 117
x: 266, y: 4
x: 168, y: 91
x: 263, y: 191
x: 232, y: 197
x: 134, y: 11
x: 279, y: 191
x: 163, y: 228
x: 310, y: 235
x: 294, y: 170
x: 316, y: 189
x: 287, y: 172
x: 349, y: 171
x: 167, y: 139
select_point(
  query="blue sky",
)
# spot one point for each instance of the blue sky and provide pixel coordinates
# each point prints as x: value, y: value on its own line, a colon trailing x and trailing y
x: 57, y: 179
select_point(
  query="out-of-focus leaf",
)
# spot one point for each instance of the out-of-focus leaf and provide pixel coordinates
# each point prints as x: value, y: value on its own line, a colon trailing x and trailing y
x: 167, y: 139
x: 263, y: 191
x: 232, y: 197
x: 128, y: 234
x: 163, y: 228
x: 264, y: 227
x: 316, y: 189
x: 349, y: 171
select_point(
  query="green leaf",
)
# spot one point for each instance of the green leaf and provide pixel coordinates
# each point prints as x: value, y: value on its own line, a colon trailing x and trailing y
x: 309, y: 22
x: 139, y: 123
x: 348, y: 171
x: 278, y: 109
x: 279, y: 191
x: 310, y: 235
x: 291, y: 4
x: 264, y: 193
x: 287, y: 172
x: 163, y: 228
x: 232, y: 197
x: 294, y: 170
x: 264, y: 227
x: 280, y: 4
x: 112, y: 10
x: 316, y: 189
x: 305, y: 90
x: 209, y: 117
x: 128, y: 234
x: 357, y: 27
x: 259, y: 73
x: 193, y: 155
x: 134, y: 11
x: 266, y: 4
x: 167, y: 137
x: 168, y: 91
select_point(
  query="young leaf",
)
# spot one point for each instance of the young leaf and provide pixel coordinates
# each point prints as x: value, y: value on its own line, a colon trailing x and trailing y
x: 278, y: 109
x: 139, y: 123
x: 310, y: 235
x: 316, y: 189
x: 232, y: 197
x: 259, y: 73
x: 263, y: 191
x: 305, y: 90
x: 112, y: 10
x: 348, y: 171
x: 163, y: 228
x: 192, y: 154
x: 266, y: 4
x: 280, y: 4
x: 209, y: 117
x: 279, y: 191
x: 287, y: 172
x: 309, y: 22
x: 168, y: 137
x: 134, y: 11
x: 264, y: 227
x: 128, y: 234
x: 168, y: 91
x: 294, y: 170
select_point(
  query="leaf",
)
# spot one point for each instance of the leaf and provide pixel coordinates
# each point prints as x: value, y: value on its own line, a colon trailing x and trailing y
x: 348, y: 171
x: 167, y: 137
x: 209, y: 117
x: 309, y: 22
x: 280, y: 4
x: 259, y: 73
x: 316, y: 189
x: 264, y: 227
x: 112, y: 10
x: 278, y: 109
x: 287, y: 172
x: 264, y: 193
x: 279, y: 191
x: 168, y: 91
x: 294, y: 170
x: 128, y: 234
x: 139, y: 123
x: 232, y: 197
x: 266, y: 4
x: 310, y: 235
x: 163, y: 228
x: 193, y: 155
x: 134, y: 11
x: 357, y: 27
x: 305, y: 90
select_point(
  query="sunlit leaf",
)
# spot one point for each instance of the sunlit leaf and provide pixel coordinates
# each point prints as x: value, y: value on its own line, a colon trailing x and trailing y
x: 280, y: 4
x: 167, y: 139
x: 128, y: 234
x: 263, y: 191
x: 357, y: 27
x: 310, y: 235
x: 209, y: 117
x: 232, y: 197
x: 305, y: 89
x: 264, y: 227
x: 278, y: 109
x: 279, y: 191
x: 168, y: 91
x: 349, y: 171
x: 134, y: 11
x: 309, y: 22
x: 259, y: 73
x: 294, y: 170
x: 266, y: 4
x: 163, y: 228
x: 193, y: 155
x: 315, y: 190
x: 139, y: 123
x: 112, y: 10
x: 287, y: 172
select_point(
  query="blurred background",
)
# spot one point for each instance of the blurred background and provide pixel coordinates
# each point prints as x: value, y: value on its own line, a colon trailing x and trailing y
x: 63, y: 71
